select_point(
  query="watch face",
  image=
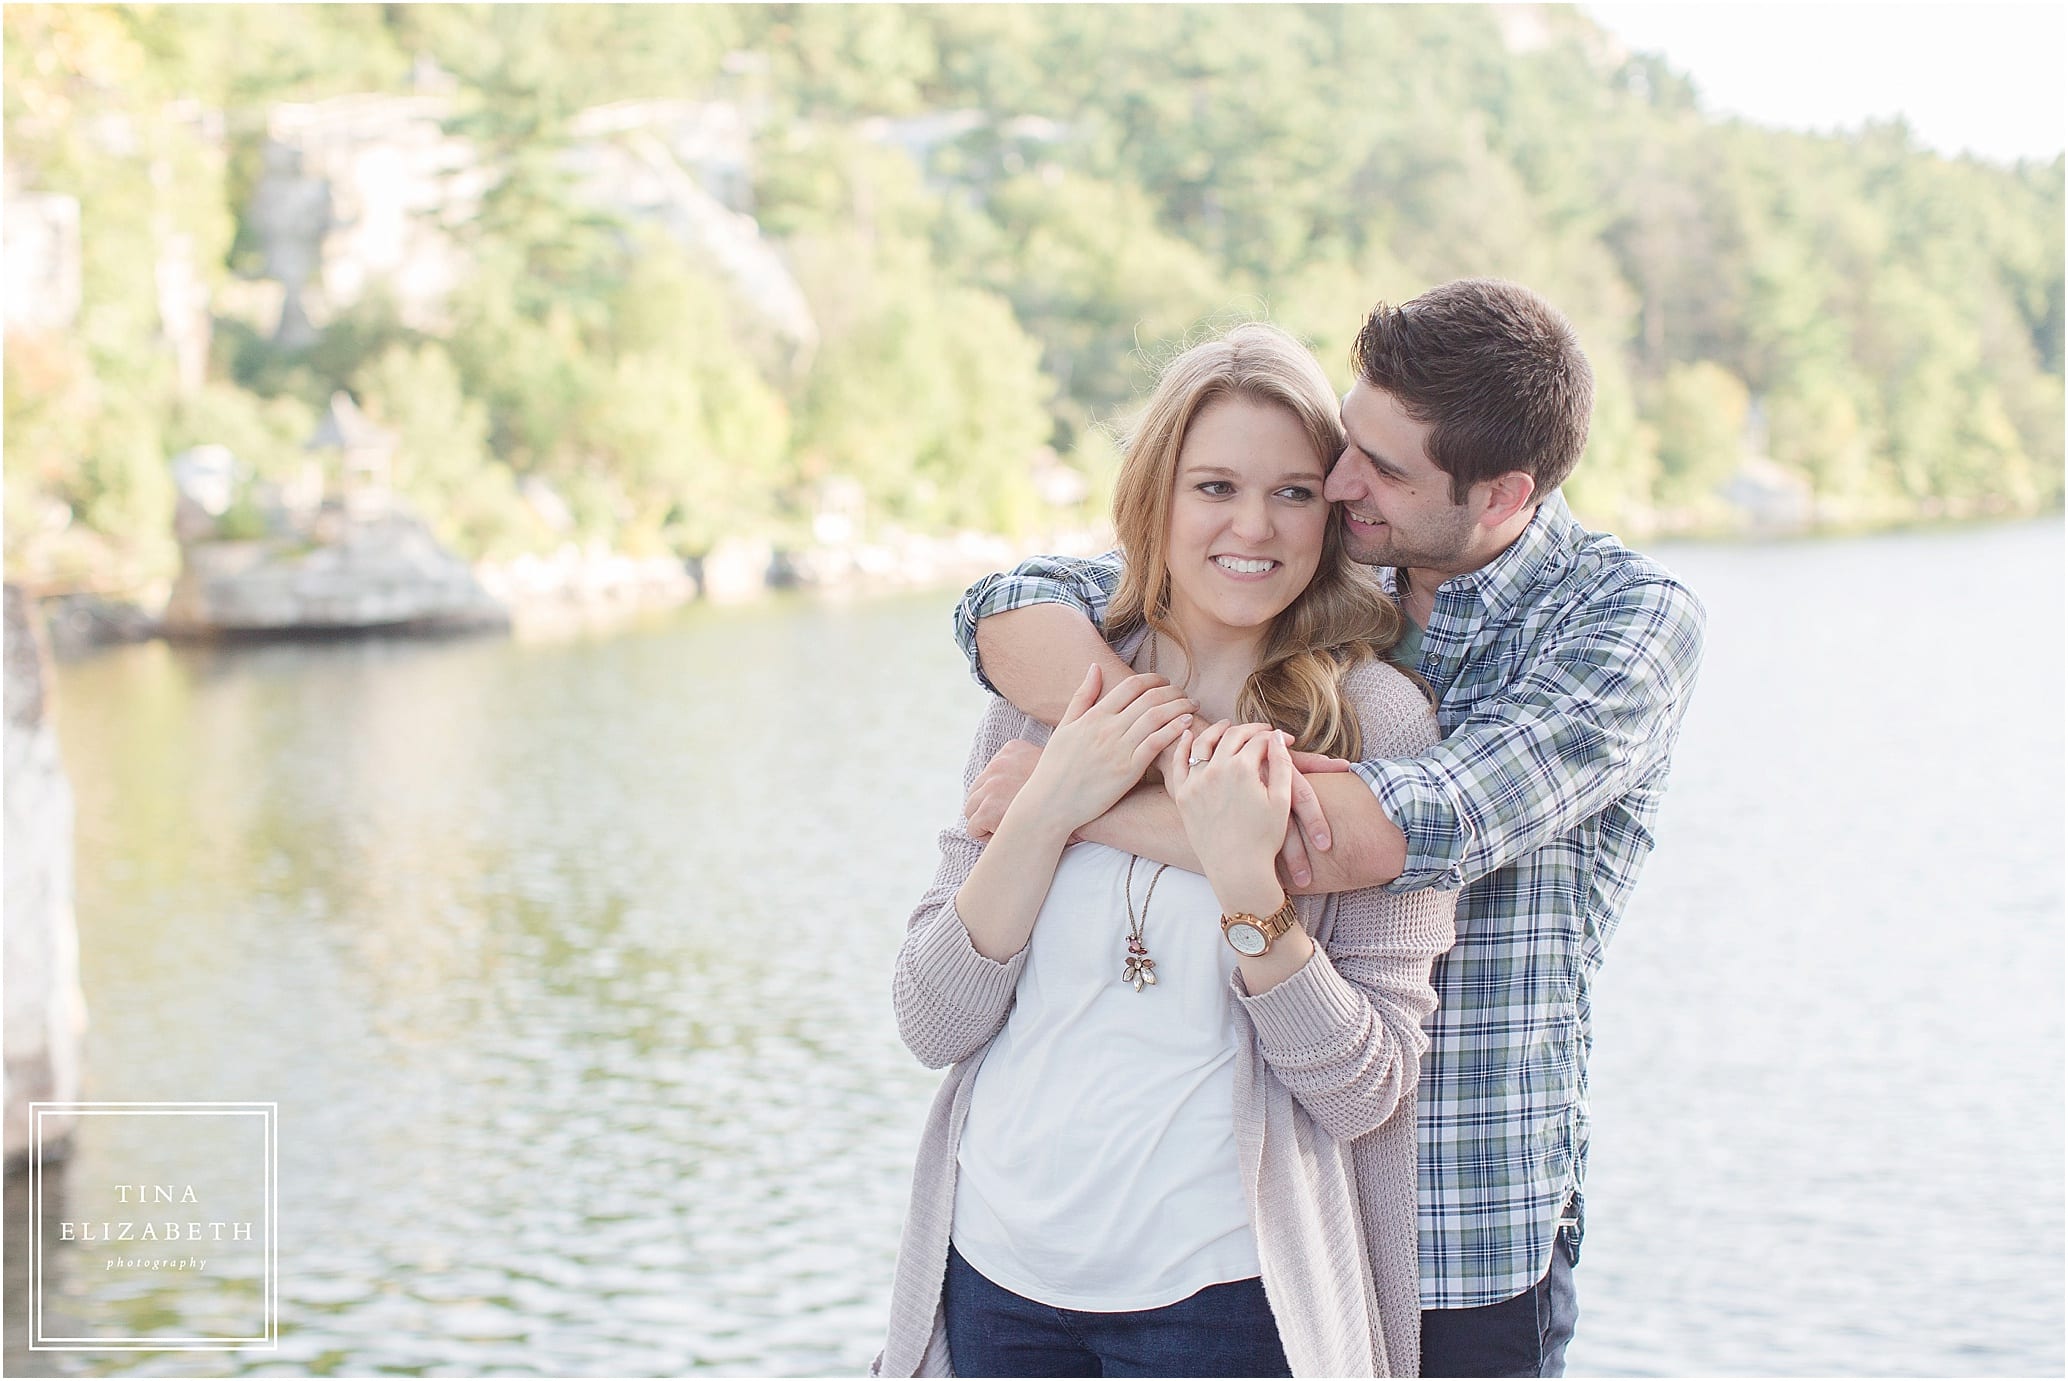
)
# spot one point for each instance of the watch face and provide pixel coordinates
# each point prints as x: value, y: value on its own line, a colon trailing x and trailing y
x: 1248, y: 939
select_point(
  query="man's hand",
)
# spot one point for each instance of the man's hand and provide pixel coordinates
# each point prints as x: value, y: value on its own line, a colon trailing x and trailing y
x: 996, y: 786
x: 1309, y: 828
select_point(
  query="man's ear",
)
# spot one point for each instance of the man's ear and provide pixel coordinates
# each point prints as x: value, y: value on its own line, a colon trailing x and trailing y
x: 1507, y: 495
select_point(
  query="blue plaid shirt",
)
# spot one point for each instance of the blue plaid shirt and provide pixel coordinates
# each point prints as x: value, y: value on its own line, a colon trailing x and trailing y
x: 1562, y: 669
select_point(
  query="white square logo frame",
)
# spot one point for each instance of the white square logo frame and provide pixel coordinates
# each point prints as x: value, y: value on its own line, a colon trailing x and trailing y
x: 268, y: 1337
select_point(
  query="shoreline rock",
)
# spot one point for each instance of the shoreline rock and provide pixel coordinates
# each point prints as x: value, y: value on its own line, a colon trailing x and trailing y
x: 81, y: 622
x: 384, y: 573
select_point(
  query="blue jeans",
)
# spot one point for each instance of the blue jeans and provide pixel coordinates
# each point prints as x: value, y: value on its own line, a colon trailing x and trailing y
x: 1224, y: 1330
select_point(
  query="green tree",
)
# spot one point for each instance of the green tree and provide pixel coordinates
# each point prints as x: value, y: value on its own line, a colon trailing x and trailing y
x: 89, y: 115
x: 267, y: 434
x: 1106, y: 292
x: 1701, y: 416
x: 929, y: 395
x: 1005, y: 219
x: 442, y: 463
x: 1615, y: 484
x: 692, y: 435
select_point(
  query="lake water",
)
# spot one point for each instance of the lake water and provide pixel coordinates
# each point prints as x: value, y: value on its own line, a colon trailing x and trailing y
x: 567, y: 965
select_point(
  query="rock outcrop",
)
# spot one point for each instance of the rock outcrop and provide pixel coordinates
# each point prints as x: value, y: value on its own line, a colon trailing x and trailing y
x: 358, y: 191
x: 387, y: 572
x: 46, y: 1010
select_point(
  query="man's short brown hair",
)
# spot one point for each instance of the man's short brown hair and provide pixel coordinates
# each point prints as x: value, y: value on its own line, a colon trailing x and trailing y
x: 1494, y: 369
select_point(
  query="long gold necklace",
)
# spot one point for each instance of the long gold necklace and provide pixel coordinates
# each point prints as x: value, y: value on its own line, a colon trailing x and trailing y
x: 1139, y: 969
x: 1155, y: 651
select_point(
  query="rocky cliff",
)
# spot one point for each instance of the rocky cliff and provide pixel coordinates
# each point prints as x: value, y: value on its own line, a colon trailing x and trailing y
x: 46, y: 1011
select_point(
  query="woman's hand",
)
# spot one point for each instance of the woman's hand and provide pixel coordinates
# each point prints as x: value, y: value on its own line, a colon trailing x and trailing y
x: 1102, y: 746
x: 1233, y: 789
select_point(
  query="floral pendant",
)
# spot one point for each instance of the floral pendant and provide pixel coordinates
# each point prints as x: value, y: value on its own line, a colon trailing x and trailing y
x: 1139, y: 969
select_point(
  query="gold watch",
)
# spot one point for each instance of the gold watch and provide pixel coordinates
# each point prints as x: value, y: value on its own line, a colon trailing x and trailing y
x: 1252, y: 936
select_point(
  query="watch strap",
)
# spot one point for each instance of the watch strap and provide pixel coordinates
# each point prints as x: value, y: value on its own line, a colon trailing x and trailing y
x: 1273, y: 925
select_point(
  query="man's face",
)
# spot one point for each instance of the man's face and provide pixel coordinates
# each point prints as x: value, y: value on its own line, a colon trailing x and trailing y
x: 1395, y: 503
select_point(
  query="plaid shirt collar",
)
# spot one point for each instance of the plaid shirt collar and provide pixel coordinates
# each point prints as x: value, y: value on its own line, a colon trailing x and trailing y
x: 1505, y: 581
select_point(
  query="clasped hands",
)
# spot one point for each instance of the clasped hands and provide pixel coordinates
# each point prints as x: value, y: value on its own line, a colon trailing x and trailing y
x: 1233, y: 784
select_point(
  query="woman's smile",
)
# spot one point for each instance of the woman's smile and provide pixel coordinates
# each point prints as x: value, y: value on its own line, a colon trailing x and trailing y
x: 1247, y: 567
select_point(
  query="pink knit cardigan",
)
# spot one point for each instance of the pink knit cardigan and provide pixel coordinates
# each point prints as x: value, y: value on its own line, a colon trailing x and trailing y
x: 1324, y: 1089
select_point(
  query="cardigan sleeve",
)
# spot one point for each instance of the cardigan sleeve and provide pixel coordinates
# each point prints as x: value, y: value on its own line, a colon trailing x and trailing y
x: 950, y: 999
x: 1344, y: 1034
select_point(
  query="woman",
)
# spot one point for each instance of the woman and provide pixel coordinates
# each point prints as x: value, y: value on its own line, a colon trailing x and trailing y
x: 1179, y: 1135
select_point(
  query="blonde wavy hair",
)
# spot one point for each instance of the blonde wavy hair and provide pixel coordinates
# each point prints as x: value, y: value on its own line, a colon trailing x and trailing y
x: 1342, y: 618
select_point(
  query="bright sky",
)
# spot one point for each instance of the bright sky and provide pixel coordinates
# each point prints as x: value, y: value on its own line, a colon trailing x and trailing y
x: 1972, y: 77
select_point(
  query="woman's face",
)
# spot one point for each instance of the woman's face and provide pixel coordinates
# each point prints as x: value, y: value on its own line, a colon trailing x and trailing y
x: 1247, y: 517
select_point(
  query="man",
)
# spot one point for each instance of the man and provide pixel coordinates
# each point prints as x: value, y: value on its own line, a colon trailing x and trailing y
x: 1562, y: 663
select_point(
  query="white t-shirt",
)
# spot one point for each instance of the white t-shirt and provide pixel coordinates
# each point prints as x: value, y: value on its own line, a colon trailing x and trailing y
x: 1097, y: 1169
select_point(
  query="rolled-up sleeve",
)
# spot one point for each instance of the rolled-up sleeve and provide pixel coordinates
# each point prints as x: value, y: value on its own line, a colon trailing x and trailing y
x: 1085, y: 584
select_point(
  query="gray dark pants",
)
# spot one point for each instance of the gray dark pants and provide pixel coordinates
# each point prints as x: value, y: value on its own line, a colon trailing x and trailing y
x: 1523, y: 1336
